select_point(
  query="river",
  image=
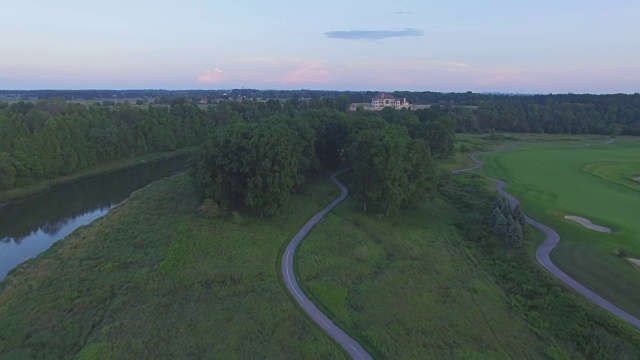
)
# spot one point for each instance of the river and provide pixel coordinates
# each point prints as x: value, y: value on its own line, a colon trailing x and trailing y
x: 31, y: 226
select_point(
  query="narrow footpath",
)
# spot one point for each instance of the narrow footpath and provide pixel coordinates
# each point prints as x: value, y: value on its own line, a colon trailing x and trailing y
x: 551, y: 241
x: 350, y: 346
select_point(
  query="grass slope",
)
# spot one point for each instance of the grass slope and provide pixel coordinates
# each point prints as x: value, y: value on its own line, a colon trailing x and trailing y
x: 409, y: 288
x: 154, y: 280
x: 554, y: 180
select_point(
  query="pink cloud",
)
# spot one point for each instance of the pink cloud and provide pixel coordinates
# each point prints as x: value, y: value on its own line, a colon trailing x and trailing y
x: 309, y: 74
x: 211, y: 77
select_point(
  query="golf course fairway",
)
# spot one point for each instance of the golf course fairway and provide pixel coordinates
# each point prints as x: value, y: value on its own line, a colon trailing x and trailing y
x: 592, y: 181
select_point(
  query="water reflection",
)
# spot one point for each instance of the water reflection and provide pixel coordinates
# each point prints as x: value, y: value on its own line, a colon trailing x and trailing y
x: 30, y: 227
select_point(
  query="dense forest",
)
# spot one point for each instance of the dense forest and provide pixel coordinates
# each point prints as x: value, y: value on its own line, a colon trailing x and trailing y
x: 52, y: 138
x: 255, y: 154
x: 256, y: 163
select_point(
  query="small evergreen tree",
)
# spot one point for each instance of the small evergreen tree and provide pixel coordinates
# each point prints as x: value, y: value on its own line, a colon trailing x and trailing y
x: 514, y: 233
x: 500, y: 225
x: 518, y: 216
x: 507, y: 223
x: 494, y: 215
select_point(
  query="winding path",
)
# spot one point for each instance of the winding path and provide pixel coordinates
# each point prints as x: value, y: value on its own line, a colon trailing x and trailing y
x: 551, y: 241
x: 350, y: 346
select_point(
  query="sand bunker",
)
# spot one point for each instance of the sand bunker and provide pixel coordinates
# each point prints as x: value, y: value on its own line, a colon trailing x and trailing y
x: 588, y: 224
x: 635, y: 178
x: 634, y: 262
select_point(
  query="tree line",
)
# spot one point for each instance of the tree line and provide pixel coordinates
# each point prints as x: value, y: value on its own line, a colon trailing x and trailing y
x: 255, y: 154
x: 53, y: 138
x: 614, y: 114
x: 256, y: 164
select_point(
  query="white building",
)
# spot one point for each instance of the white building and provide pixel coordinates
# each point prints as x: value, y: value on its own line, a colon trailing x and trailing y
x: 383, y: 100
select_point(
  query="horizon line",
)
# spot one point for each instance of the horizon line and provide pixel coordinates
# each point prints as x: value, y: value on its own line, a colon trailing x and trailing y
x: 326, y: 90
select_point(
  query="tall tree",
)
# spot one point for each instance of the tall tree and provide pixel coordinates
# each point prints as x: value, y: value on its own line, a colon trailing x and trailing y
x: 7, y: 171
x: 253, y: 165
x: 379, y: 161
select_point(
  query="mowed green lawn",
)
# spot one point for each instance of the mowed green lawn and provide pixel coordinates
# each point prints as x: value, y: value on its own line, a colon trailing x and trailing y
x: 554, y: 180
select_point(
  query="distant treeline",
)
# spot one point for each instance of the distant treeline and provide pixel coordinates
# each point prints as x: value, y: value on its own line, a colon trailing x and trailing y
x: 567, y: 114
x: 561, y: 113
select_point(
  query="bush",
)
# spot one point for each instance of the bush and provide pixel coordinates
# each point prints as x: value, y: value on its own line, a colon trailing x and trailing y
x: 620, y: 252
x: 236, y: 218
x: 210, y: 209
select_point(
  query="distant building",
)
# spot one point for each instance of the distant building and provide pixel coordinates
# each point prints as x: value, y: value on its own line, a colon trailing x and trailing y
x: 204, y: 101
x: 383, y: 100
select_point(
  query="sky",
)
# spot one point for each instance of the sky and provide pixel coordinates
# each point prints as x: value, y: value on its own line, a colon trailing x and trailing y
x: 579, y: 46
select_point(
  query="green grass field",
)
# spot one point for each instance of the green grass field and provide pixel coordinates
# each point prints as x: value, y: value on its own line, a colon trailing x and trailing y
x: 154, y: 280
x: 409, y: 288
x: 557, y: 179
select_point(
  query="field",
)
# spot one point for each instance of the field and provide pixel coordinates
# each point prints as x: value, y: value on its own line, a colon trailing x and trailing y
x: 155, y: 280
x: 557, y: 179
x: 409, y: 288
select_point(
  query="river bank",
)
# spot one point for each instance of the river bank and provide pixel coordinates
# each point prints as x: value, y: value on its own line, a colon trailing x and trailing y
x: 44, y: 185
x: 153, y: 279
x: 30, y: 226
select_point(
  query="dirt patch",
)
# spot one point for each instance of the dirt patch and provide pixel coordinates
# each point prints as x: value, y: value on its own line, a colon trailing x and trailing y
x: 634, y: 262
x: 588, y: 224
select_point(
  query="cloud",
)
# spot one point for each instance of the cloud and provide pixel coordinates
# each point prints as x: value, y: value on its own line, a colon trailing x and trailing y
x: 404, y: 12
x: 372, y: 34
x: 211, y: 77
x: 310, y: 74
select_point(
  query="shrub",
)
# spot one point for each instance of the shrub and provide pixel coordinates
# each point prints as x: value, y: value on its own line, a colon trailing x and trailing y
x: 210, y: 209
x: 620, y: 252
x: 236, y: 218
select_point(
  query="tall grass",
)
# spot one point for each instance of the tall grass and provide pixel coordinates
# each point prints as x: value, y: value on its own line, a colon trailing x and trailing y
x: 155, y: 280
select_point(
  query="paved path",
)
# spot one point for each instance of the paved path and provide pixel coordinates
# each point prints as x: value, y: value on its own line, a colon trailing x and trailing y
x: 544, y: 250
x: 350, y: 346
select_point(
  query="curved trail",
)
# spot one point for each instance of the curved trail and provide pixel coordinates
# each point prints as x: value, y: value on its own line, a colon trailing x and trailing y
x: 348, y: 344
x: 551, y: 241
